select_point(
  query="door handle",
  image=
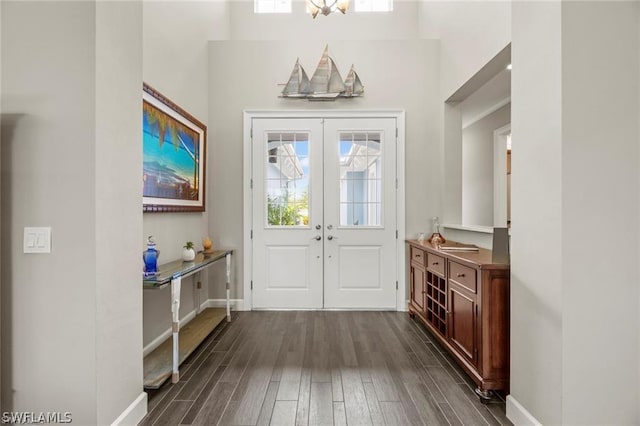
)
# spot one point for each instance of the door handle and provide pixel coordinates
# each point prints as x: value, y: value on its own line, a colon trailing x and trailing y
x: 317, y: 238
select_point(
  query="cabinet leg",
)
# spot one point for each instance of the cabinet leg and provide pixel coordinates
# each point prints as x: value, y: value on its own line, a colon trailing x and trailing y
x: 485, y: 396
x: 412, y: 314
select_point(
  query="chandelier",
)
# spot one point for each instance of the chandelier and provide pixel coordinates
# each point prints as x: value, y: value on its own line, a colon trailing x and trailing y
x: 327, y: 6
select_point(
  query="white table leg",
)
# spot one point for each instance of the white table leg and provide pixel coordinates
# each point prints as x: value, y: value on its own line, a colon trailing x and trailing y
x: 176, y: 283
x: 196, y: 292
x: 228, y: 256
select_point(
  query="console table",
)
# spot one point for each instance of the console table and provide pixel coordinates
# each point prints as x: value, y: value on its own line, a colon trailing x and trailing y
x: 165, y: 359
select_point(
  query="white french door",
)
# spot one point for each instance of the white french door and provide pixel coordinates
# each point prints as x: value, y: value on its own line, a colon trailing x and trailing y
x: 360, y: 213
x: 287, y: 213
x: 324, y: 213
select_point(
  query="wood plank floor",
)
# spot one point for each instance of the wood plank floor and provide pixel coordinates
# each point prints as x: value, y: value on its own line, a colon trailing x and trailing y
x: 321, y: 368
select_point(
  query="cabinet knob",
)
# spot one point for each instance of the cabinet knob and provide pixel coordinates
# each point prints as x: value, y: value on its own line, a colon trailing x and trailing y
x: 434, y: 263
x: 459, y: 275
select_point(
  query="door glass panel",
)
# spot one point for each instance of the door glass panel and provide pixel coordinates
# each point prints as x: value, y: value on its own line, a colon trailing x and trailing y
x: 360, y: 179
x: 287, y: 180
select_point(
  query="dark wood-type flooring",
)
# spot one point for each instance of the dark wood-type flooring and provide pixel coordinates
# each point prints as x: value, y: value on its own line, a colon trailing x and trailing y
x: 321, y: 368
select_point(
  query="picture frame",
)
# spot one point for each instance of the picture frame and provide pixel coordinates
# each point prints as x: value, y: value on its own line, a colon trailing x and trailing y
x: 173, y: 156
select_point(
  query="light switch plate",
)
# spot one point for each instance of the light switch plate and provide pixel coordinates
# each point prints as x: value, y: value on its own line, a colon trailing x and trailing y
x: 37, y: 240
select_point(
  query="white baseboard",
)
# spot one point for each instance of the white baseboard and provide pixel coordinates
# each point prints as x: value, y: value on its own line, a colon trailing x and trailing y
x: 134, y: 412
x: 519, y: 415
x: 236, y: 304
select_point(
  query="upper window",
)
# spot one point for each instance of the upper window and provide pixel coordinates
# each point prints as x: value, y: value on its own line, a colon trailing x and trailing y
x: 373, y: 5
x: 272, y: 6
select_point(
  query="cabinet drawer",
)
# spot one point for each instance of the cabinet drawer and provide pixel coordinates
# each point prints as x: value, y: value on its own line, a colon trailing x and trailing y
x: 463, y: 275
x: 435, y: 263
x: 418, y: 255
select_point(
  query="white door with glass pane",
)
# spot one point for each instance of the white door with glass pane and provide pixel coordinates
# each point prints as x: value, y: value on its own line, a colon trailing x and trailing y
x: 287, y: 208
x: 324, y: 213
x: 360, y: 213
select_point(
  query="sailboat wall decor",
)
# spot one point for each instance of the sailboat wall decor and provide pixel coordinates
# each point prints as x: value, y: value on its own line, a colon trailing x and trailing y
x: 298, y: 85
x: 326, y: 84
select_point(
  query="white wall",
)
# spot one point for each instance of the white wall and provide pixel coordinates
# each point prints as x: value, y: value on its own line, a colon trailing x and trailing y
x: 245, y: 75
x: 600, y: 153
x: 175, y: 62
x: 71, y: 318
x: 536, y: 200
x: 575, y: 177
x: 49, y: 299
x: 396, y: 74
x: 477, y: 167
x: 452, y: 171
x: 399, y: 25
x: 470, y: 34
x: 118, y: 162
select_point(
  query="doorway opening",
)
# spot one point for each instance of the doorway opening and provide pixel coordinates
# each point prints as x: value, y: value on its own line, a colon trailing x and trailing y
x: 324, y: 210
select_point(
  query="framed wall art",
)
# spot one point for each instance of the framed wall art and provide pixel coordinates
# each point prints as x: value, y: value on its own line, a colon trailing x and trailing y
x: 173, y: 156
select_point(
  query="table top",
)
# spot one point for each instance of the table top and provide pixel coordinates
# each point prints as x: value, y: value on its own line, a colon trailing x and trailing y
x: 482, y: 258
x: 180, y: 268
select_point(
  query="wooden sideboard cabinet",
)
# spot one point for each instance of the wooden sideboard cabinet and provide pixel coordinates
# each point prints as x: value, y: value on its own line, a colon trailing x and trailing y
x: 462, y: 297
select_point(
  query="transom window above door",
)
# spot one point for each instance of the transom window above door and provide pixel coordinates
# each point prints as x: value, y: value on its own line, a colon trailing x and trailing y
x: 284, y: 6
x: 373, y: 5
x: 272, y: 6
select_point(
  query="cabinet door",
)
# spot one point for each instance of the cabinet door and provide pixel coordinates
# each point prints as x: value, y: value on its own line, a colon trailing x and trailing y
x: 417, y: 286
x: 463, y: 321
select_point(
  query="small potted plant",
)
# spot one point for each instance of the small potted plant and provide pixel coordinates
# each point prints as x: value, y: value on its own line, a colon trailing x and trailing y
x: 188, y: 254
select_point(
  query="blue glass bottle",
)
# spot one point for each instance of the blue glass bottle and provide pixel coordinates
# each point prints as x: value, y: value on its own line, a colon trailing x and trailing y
x: 150, y: 257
